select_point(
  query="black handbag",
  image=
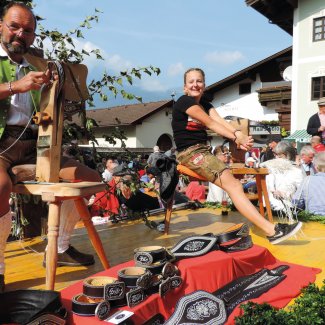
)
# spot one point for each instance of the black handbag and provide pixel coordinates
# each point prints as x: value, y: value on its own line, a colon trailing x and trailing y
x: 32, y: 307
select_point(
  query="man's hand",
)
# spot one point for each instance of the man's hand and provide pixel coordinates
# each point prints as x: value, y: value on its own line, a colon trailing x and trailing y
x: 243, y: 141
x: 32, y: 81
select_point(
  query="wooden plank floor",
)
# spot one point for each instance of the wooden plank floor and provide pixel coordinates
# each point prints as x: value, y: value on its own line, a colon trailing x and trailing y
x: 24, y: 258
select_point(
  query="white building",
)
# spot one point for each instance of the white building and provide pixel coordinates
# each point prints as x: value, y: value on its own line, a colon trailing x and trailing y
x: 305, y: 21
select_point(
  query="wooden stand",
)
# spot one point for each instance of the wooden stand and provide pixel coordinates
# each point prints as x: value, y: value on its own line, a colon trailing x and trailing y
x: 50, y: 121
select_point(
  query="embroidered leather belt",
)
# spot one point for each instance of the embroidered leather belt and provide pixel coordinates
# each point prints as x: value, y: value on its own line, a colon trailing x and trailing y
x: 149, y: 255
x: 94, y: 287
x: 130, y: 275
x: 85, y: 306
x: 201, y: 307
x: 237, y: 238
x: 133, y: 285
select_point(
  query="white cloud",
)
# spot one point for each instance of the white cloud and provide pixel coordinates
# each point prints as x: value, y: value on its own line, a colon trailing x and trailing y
x: 151, y: 84
x: 225, y: 57
x: 175, y: 69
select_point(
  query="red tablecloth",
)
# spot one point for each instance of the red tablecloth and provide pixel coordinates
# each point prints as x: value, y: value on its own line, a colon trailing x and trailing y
x: 208, y: 272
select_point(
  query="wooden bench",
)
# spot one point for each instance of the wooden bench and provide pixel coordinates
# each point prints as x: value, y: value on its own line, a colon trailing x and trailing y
x: 260, y: 174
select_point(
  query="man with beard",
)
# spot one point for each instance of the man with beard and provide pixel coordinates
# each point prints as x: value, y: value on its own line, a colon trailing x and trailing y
x: 20, y: 86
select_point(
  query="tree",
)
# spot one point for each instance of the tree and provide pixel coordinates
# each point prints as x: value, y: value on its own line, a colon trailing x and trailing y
x: 62, y: 48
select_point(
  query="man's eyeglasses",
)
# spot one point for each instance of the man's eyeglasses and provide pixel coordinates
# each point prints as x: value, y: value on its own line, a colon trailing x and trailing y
x: 14, y: 28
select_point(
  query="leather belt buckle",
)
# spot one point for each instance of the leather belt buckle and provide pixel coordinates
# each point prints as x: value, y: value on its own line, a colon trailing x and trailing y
x: 169, y: 270
x: 114, y: 291
x: 164, y: 287
x: 144, y: 281
x: 175, y: 281
x: 102, y: 310
x: 149, y: 254
x: 134, y: 297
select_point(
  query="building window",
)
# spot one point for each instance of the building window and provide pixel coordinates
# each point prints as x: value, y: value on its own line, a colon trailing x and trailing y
x: 317, y: 88
x: 319, y: 29
x: 244, y: 88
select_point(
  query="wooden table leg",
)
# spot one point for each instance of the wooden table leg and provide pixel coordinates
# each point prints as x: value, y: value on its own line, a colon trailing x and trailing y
x: 168, y: 214
x: 266, y: 199
x: 93, y: 235
x: 52, y: 247
x: 260, y: 193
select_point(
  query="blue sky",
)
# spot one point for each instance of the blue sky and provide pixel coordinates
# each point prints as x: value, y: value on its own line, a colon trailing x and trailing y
x: 220, y: 36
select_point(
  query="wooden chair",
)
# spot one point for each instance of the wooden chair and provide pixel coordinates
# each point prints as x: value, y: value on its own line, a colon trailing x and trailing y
x: 260, y: 174
x: 49, y: 145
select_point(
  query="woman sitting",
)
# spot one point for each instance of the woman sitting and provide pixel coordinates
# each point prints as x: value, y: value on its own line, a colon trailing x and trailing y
x: 284, y: 176
x: 310, y: 194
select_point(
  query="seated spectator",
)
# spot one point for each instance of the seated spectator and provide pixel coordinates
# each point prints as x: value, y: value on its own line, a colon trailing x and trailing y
x: 149, y: 181
x: 250, y: 162
x: 307, y: 154
x: 216, y: 193
x: 251, y: 156
x: 316, y: 143
x: 310, y: 194
x: 269, y: 154
x: 195, y: 191
x: 284, y: 176
x: 111, y: 163
x: 105, y: 203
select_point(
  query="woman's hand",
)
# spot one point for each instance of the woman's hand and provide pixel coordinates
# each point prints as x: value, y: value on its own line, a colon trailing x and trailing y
x: 243, y: 141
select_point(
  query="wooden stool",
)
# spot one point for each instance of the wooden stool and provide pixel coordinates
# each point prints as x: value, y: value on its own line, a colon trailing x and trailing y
x: 260, y: 174
x: 55, y: 194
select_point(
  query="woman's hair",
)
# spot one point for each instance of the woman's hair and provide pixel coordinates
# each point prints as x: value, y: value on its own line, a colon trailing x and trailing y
x: 194, y: 69
x: 285, y: 148
x: 319, y: 162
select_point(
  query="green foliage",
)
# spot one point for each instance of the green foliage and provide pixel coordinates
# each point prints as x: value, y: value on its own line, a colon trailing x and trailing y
x: 63, y: 49
x: 309, y: 309
x: 284, y: 132
x: 308, y: 216
x: 273, y: 122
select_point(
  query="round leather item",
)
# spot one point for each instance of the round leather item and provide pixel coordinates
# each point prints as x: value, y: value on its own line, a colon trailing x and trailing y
x: 238, y: 231
x: 149, y: 254
x: 94, y: 286
x: 130, y: 275
x: 155, y: 268
x: 85, y: 306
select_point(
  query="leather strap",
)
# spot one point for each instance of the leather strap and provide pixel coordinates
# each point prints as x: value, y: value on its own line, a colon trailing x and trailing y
x: 85, y: 306
x: 238, y: 231
x: 240, y: 244
x: 94, y: 287
x: 193, y: 246
x: 149, y: 255
x: 130, y: 275
x: 201, y: 307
